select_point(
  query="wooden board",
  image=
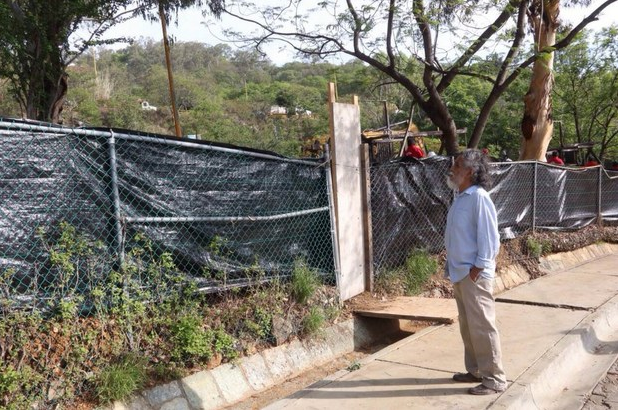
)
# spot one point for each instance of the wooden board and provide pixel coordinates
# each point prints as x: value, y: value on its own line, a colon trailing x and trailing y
x: 348, y: 184
x: 414, y: 308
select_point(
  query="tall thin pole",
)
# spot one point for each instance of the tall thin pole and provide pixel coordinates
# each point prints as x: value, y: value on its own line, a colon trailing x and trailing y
x: 170, y: 77
x: 113, y: 169
x: 599, y: 196
x: 536, y: 181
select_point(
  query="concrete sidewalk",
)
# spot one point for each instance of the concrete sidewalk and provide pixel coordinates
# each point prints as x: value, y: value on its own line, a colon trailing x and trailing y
x: 559, y: 337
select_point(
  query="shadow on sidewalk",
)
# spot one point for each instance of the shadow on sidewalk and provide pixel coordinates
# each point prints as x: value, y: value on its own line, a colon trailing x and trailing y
x: 402, y: 387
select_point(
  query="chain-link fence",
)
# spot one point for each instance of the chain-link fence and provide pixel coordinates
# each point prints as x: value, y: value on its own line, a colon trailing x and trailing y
x: 410, y: 200
x: 79, y: 204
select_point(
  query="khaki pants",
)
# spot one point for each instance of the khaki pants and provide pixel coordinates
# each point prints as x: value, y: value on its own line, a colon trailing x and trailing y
x: 477, y: 324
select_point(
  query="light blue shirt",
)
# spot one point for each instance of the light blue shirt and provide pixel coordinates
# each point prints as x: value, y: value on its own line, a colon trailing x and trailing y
x: 471, y: 236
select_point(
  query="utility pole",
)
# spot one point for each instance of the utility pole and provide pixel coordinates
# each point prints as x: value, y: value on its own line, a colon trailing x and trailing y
x: 170, y: 77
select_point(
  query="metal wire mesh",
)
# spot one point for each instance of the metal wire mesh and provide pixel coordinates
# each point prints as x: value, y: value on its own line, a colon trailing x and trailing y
x: 408, y: 209
x: 78, y: 205
x: 410, y: 200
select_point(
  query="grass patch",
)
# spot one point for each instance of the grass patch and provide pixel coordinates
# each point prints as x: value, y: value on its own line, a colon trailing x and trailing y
x: 537, y: 248
x: 419, y: 268
x: 118, y: 381
x: 313, y: 321
x: 305, y: 282
x: 409, y: 278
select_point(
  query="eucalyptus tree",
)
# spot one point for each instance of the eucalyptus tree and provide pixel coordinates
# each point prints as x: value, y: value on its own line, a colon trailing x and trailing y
x: 164, y: 9
x: 444, y: 36
x: 537, y: 121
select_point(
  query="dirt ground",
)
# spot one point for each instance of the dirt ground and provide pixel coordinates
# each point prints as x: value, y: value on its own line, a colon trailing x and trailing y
x: 514, y: 251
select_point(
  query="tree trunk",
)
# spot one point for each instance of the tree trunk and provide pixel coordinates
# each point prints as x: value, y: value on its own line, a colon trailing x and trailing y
x: 483, y: 117
x: 57, y: 99
x: 537, y: 124
x: 438, y: 113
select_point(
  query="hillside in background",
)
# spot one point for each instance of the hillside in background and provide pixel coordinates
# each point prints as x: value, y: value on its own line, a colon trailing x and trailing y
x: 240, y: 97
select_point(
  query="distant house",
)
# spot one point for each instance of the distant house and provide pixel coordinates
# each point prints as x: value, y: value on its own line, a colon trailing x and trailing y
x: 278, y: 110
x: 147, y: 107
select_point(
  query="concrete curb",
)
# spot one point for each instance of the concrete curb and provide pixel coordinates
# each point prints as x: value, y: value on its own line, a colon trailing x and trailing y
x: 231, y: 383
x: 568, y: 260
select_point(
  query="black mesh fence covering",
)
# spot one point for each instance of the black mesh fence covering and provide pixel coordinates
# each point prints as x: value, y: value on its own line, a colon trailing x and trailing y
x: 78, y: 204
x: 609, y: 196
x: 410, y: 200
x: 409, y: 203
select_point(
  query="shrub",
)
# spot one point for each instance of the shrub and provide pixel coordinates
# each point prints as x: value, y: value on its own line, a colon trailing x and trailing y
x: 19, y: 389
x: 225, y: 344
x: 190, y: 341
x: 546, y: 247
x: 9, y: 381
x: 535, y: 249
x: 260, y: 325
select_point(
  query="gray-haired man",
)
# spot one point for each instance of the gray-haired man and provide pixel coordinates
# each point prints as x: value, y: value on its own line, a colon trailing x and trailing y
x: 472, y: 243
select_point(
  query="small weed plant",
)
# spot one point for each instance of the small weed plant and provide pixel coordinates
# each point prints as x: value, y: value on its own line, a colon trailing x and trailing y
x: 305, y: 282
x: 313, y: 322
x: 419, y: 268
x: 190, y: 341
x: 537, y: 248
x: 409, y: 278
x: 118, y: 381
x: 354, y: 366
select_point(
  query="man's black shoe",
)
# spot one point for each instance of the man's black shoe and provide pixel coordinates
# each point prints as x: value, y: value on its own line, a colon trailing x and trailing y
x: 466, y: 378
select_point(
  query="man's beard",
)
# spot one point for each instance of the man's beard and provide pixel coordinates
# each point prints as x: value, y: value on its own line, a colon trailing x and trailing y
x: 451, y: 182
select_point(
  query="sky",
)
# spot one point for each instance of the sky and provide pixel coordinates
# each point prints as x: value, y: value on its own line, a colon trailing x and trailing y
x: 191, y: 27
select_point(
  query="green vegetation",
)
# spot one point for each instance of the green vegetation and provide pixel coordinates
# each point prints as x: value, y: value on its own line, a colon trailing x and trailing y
x: 305, y: 282
x: 226, y: 96
x: 353, y: 366
x: 190, y: 340
x: 144, y: 319
x: 409, y: 278
x: 118, y: 381
x: 537, y: 248
x: 313, y: 321
x: 419, y: 267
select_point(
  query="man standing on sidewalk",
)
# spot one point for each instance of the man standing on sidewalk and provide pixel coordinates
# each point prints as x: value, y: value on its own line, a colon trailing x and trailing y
x: 472, y: 243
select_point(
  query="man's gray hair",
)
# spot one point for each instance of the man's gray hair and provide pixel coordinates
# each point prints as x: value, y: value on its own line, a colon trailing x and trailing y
x: 476, y: 161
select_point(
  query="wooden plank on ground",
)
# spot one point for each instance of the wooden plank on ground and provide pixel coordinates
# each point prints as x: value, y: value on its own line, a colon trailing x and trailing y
x: 413, y: 308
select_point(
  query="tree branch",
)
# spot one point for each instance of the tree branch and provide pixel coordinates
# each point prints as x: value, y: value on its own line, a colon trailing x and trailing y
x: 479, y: 43
x: 389, y: 34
